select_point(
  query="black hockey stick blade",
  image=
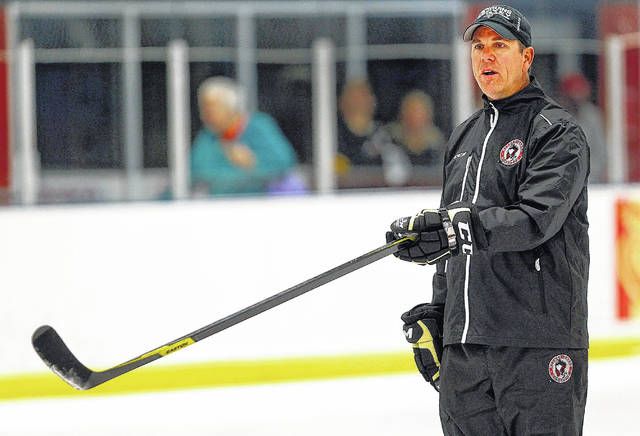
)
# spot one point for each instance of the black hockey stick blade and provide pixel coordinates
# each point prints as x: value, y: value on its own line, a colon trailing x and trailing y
x: 57, y: 356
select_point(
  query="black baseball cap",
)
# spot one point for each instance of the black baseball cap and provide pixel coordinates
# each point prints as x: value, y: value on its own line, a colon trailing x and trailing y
x: 507, y: 21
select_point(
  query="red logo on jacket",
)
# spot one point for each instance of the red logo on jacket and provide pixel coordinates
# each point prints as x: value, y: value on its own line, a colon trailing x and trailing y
x: 512, y: 152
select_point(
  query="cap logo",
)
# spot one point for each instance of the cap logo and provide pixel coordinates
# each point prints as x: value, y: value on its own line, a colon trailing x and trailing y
x: 512, y: 153
x: 495, y: 10
x: 560, y: 368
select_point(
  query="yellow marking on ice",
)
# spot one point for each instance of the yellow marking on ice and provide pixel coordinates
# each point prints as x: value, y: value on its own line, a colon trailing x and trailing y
x: 213, y: 374
x: 251, y: 372
x: 614, y: 348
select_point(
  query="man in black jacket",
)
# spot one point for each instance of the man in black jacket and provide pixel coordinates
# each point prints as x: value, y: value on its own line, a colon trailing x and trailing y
x: 511, y: 251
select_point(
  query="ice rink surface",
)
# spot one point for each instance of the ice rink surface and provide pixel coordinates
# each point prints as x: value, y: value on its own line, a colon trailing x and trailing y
x: 398, y: 405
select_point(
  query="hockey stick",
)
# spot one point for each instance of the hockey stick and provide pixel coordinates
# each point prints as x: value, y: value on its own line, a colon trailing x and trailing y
x: 57, y: 356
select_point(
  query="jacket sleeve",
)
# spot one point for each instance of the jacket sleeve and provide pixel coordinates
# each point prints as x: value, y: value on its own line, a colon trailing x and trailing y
x: 556, y: 174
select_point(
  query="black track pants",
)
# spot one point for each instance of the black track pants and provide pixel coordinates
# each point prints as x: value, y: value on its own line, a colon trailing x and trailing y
x: 512, y: 391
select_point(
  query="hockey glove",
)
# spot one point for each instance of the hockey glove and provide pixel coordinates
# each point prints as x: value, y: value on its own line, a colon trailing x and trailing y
x: 442, y: 233
x: 423, y: 327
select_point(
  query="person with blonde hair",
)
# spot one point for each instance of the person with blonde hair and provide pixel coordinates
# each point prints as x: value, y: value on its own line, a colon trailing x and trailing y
x: 236, y: 152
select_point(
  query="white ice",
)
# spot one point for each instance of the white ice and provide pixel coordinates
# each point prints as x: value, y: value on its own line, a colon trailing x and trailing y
x: 399, y: 405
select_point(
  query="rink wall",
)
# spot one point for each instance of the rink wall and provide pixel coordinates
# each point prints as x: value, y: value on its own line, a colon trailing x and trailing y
x: 119, y: 280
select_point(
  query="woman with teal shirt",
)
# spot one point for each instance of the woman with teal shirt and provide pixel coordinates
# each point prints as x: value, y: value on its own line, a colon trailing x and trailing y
x: 236, y: 152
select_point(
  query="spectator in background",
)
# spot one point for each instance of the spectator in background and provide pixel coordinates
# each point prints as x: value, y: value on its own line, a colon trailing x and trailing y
x: 418, y: 136
x: 575, y: 92
x: 238, y: 152
x: 361, y: 138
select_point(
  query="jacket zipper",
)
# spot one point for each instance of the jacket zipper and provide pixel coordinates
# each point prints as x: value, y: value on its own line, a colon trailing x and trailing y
x: 493, y: 121
x: 464, y: 179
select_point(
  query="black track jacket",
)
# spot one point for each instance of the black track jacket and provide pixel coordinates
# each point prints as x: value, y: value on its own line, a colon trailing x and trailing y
x: 522, y: 164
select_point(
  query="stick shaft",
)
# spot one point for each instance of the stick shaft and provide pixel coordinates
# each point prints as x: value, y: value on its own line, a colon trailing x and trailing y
x: 297, y: 290
x: 53, y: 351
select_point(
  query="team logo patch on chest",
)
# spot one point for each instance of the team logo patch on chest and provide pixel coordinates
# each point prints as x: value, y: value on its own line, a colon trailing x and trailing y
x: 560, y: 368
x: 512, y: 152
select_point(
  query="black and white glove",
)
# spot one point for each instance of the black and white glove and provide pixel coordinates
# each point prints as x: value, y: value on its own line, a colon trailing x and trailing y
x: 442, y: 233
x: 423, y: 327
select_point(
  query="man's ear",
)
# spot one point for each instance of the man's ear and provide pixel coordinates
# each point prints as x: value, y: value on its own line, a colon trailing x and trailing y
x: 528, y: 54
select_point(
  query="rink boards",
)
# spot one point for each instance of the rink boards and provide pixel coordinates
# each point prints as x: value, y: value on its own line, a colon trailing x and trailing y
x: 118, y: 280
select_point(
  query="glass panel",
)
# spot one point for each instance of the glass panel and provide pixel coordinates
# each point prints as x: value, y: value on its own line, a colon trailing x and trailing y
x: 197, y: 32
x: 299, y: 32
x: 78, y: 116
x: 154, y: 114
x: 80, y: 104
x: 72, y: 32
x: 409, y: 30
x: 285, y: 93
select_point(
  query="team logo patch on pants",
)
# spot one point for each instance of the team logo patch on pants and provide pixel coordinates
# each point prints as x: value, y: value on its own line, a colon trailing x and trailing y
x: 560, y: 368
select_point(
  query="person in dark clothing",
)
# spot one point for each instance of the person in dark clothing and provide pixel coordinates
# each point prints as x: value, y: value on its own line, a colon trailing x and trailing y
x: 511, y: 250
x: 357, y: 125
x: 415, y: 130
x: 363, y: 141
x: 418, y: 137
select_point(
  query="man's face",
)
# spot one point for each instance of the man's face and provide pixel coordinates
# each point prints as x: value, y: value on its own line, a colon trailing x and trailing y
x: 358, y: 101
x: 499, y: 66
x: 215, y: 113
x: 414, y: 115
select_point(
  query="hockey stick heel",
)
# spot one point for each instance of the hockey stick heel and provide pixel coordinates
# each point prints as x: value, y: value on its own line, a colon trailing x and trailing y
x: 57, y: 356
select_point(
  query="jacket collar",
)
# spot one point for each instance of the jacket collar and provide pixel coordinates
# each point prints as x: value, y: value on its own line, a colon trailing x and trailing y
x: 519, y: 100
